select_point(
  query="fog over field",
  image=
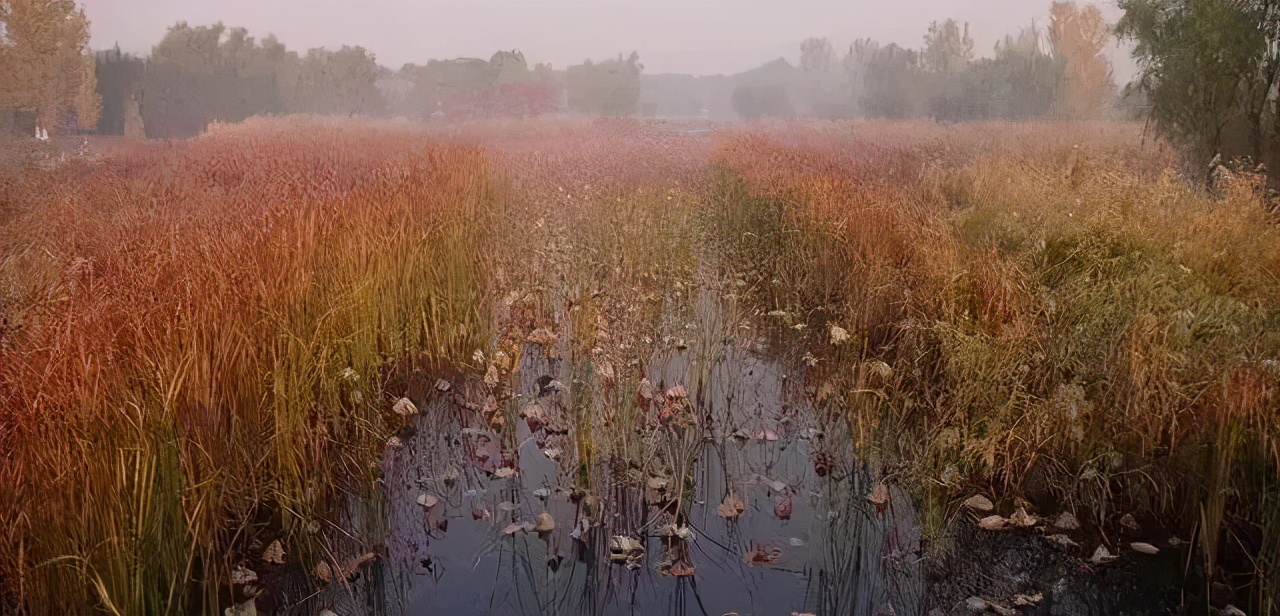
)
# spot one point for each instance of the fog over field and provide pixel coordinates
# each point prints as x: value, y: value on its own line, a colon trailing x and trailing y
x: 698, y: 37
x: 631, y: 308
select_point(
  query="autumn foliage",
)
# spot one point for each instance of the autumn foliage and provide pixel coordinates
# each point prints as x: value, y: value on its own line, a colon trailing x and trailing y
x: 199, y: 328
x: 44, y: 62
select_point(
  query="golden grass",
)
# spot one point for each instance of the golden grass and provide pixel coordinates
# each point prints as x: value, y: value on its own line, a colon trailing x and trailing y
x: 193, y: 335
x: 1066, y: 319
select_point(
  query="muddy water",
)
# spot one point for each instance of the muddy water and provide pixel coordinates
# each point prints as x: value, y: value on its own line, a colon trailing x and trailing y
x: 807, y: 538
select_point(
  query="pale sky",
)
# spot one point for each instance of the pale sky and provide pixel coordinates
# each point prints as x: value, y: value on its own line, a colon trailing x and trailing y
x: 701, y: 37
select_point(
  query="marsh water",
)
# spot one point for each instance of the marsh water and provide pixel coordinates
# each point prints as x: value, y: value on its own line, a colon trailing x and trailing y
x: 718, y: 486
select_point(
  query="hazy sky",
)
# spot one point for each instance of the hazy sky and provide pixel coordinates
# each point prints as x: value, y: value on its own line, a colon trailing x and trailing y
x: 689, y: 36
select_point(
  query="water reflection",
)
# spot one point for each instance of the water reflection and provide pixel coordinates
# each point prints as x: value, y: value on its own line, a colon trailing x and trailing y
x: 649, y: 533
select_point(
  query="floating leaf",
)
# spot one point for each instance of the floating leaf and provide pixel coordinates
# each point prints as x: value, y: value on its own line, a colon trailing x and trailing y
x: 1101, y: 555
x: 783, y: 508
x: 404, y: 408
x: 978, y: 502
x: 680, y: 569
x: 731, y: 507
x: 993, y: 522
x: 242, y: 575
x: 879, y: 495
x: 274, y: 553
x: 480, y: 513
x: 580, y: 529
x: 1022, y: 518
x: 514, y: 528
x: 624, y: 549
x: 505, y: 472
x: 1066, y: 521
x: 760, y: 555
x: 1144, y: 548
x: 544, y: 523
x: 428, y: 500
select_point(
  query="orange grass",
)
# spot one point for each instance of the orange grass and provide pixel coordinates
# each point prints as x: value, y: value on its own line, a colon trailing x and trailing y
x: 1065, y: 319
x: 194, y: 334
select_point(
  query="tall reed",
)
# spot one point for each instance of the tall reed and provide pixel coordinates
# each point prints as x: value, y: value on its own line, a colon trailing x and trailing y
x: 193, y: 336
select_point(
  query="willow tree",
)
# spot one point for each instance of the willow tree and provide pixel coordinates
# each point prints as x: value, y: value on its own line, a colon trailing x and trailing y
x: 1211, y: 71
x: 45, y: 62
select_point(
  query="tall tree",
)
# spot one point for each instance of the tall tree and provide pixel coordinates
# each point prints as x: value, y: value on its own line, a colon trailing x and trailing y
x: 343, y: 81
x: 948, y: 49
x: 894, y: 83
x: 816, y: 55
x: 1079, y: 37
x: 947, y: 56
x: 823, y: 84
x: 1207, y: 66
x: 46, y: 63
x: 611, y: 87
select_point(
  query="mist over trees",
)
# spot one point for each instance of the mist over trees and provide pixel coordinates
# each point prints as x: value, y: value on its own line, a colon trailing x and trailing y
x: 611, y: 87
x: 1209, y: 78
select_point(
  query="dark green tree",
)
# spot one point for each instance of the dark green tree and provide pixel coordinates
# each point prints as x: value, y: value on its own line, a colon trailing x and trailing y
x: 1210, y: 71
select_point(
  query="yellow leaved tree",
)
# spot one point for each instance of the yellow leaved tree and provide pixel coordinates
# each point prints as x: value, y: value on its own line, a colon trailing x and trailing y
x: 45, y: 66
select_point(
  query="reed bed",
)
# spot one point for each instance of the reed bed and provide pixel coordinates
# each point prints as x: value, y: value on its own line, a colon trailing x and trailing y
x: 1055, y: 317
x: 194, y: 337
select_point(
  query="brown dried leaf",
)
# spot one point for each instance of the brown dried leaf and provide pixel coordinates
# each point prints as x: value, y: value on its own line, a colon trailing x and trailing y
x: 978, y: 502
x: 544, y: 523
x: 731, y: 507
x: 1144, y: 548
x: 405, y: 408
x: 274, y: 553
x: 783, y: 508
x: 514, y: 528
x: 879, y: 495
x: 1022, y: 518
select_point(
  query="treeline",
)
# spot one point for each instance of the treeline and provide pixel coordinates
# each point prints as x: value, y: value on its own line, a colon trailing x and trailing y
x: 198, y: 75
x: 1059, y: 71
x: 203, y: 74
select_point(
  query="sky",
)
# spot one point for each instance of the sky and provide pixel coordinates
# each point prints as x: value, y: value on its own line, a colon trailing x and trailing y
x: 701, y: 37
